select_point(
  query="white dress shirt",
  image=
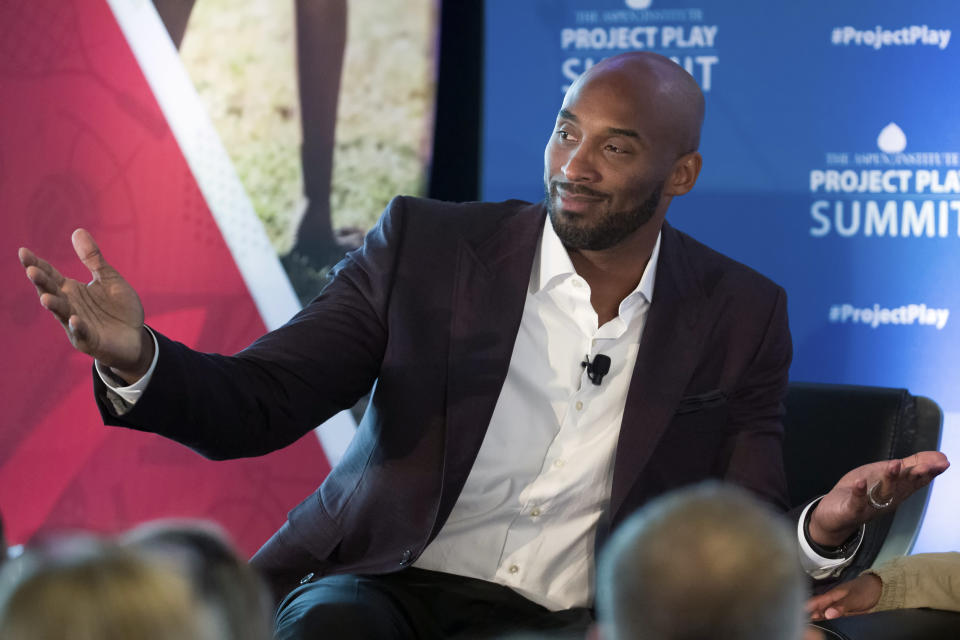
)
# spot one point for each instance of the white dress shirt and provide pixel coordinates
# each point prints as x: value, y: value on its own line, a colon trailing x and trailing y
x: 527, y: 515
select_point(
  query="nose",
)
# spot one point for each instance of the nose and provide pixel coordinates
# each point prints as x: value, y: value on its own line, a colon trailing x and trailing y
x: 581, y: 166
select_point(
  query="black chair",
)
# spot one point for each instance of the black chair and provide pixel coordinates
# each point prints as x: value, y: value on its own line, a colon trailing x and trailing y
x: 900, y: 624
x: 831, y: 429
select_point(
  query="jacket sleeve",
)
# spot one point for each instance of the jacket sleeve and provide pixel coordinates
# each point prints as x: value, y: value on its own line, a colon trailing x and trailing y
x: 930, y: 580
x: 288, y: 381
x: 756, y: 412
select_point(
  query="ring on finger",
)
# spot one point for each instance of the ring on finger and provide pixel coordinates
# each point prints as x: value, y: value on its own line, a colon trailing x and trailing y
x: 874, y: 502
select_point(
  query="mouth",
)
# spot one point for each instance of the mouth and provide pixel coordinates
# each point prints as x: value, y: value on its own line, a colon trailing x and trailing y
x: 576, y: 199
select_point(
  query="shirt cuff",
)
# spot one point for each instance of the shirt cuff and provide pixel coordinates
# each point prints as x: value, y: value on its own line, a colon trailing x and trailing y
x: 817, y: 566
x: 131, y: 393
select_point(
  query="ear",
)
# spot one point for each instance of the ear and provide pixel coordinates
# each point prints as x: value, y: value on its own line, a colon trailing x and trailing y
x: 684, y: 174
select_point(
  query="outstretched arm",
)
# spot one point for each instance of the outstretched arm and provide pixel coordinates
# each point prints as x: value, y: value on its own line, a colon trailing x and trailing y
x: 870, y: 490
x: 103, y: 318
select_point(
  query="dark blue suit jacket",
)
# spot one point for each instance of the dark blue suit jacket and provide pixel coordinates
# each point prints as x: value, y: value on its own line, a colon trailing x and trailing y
x: 428, y: 310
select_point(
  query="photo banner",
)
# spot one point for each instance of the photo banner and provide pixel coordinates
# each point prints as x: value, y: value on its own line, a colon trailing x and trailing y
x: 85, y: 143
x: 831, y: 151
x: 188, y: 166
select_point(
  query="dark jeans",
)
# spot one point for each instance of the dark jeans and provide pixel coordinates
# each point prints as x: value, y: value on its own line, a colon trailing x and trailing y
x: 415, y: 603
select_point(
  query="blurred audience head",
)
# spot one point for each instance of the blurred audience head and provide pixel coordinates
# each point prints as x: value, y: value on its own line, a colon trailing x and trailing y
x: 221, y: 578
x: 705, y: 562
x: 83, y: 589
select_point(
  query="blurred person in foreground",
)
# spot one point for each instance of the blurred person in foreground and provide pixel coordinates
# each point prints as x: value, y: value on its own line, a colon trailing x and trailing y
x: 85, y: 590
x: 699, y: 563
x: 924, y: 580
x: 221, y: 578
x: 495, y: 455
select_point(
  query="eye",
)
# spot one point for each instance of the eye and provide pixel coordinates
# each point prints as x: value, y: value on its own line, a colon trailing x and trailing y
x: 564, y: 135
x: 615, y: 149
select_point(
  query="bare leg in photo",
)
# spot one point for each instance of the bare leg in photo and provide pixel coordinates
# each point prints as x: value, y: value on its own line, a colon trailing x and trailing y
x: 321, y: 33
x: 175, y: 14
x: 321, y: 40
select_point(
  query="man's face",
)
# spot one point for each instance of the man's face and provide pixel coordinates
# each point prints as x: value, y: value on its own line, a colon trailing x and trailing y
x: 603, y: 172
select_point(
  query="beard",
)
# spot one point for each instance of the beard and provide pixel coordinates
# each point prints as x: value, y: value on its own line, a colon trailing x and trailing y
x: 609, y: 228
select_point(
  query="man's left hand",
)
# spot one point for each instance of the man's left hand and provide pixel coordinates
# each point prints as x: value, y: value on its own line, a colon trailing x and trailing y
x: 848, y: 505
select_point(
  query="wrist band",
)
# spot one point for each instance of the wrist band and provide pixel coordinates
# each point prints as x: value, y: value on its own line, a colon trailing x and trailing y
x: 832, y: 553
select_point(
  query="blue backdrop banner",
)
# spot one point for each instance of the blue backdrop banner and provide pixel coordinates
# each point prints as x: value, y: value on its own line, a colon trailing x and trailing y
x: 831, y: 164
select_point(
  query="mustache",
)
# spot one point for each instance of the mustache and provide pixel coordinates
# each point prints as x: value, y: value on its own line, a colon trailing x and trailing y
x: 572, y: 188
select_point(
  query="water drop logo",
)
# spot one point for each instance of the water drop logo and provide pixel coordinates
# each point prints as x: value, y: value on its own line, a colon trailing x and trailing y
x: 639, y: 4
x: 892, y: 139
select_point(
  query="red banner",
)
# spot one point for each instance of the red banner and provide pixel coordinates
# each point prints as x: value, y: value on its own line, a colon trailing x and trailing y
x: 83, y: 143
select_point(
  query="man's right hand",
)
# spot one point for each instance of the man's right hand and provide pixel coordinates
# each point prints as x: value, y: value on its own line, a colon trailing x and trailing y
x: 103, y: 318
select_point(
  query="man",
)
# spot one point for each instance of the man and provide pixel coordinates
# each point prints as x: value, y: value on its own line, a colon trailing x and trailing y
x: 707, y: 561
x: 494, y: 455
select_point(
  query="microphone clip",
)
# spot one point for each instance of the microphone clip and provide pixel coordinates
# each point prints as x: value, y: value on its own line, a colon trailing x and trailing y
x: 596, y: 369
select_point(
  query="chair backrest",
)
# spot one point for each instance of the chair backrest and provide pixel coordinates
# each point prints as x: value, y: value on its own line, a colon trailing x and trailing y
x: 833, y: 428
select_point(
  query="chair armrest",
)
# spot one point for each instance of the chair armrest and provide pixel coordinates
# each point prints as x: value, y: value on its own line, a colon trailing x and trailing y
x: 899, y: 624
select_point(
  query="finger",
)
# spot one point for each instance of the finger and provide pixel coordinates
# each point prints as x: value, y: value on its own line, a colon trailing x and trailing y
x: 80, y: 334
x: 37, y: 278
x: 39, y: 266
x: 816, y: 605
x: 894, y: 467
x: 922, y: 472
x: 813, y: 605
x: 88, y: 251
x: 924, y: 458
x: 933, y: 467
x: 921, y: 480
x: 42, y: 280
x: 859, y: 508
x: 56, y: 305
x: 859, y: 490
x: 833, y: 612
x: 26, y: 256
x: 827, y: 598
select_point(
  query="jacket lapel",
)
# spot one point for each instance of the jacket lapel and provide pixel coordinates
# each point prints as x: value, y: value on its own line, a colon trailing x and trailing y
x: 666, y: 360
x: 490, y: 285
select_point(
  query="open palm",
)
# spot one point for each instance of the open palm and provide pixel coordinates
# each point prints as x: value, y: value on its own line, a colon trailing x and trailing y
x: 103, y: 318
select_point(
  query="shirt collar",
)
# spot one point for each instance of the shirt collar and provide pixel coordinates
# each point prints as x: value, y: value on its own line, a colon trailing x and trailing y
x: 554, y: 265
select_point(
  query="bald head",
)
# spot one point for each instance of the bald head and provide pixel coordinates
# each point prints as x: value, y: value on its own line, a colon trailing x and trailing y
x: 623, y: 145
x: 660, y: 88
x: 707, y: 561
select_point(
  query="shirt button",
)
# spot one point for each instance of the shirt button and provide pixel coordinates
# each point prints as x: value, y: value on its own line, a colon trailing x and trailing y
x: 579, y: 405
x: 535, y: 512
x: 513, y: 568
x: 558, y: 463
